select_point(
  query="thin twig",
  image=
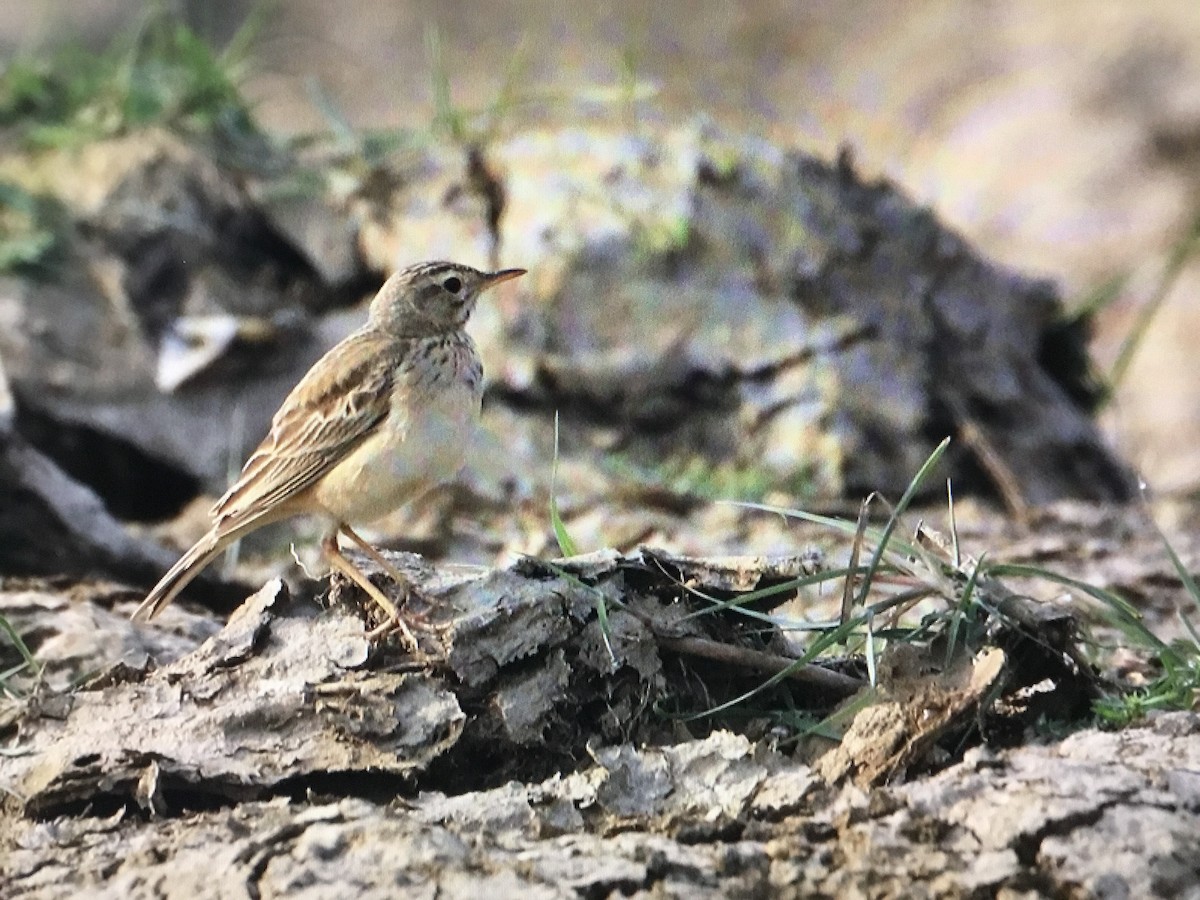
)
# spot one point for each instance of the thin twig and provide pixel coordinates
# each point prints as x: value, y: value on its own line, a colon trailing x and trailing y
x: 817, y: 676
x: 990, y: 460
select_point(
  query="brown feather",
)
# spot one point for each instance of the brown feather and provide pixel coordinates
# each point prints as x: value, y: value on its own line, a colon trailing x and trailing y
x: 333, y: 408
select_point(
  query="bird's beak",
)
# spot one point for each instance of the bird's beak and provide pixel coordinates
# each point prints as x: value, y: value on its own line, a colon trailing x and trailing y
x: 494, y: 278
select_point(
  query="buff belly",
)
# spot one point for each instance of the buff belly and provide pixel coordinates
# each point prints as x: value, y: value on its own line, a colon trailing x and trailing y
x: 420, y: 445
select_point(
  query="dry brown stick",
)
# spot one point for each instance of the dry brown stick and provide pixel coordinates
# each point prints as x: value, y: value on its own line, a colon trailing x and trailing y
x: 816, y: 676
x: 990, y: 460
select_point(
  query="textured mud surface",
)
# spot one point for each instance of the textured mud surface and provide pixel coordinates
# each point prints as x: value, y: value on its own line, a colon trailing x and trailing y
x: 285, y: 753
x: 264, y: 764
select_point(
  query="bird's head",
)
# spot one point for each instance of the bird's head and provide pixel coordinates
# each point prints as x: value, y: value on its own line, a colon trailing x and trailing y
x: 431, y: 298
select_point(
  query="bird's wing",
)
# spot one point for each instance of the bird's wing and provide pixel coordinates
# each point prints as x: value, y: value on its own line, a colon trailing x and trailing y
x: 341, y: 400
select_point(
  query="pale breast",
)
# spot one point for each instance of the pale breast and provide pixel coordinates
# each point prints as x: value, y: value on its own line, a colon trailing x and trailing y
x: 421, y: 443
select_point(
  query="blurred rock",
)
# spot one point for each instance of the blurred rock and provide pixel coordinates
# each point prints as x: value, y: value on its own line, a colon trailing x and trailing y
x: 715, y: 295
x: 53, y: 525
x: 706, y: 310
x: 73, y: 636
x: 118, y: 338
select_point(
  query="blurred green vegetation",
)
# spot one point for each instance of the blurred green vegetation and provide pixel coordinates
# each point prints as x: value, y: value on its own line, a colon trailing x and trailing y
x: 158, y: 72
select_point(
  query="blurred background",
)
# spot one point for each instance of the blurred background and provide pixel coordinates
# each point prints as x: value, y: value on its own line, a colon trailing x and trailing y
x: 1062, y: 139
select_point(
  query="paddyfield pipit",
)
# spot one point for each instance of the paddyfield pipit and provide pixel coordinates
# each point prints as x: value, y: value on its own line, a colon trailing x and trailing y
x: 380, y: 419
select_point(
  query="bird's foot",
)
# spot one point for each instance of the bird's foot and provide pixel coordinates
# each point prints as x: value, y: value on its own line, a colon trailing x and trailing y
x: 393, y: 621
x: 408, y: 621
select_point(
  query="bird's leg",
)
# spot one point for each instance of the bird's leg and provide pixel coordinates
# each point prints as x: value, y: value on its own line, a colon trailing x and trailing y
x: 395, y: 574
x: 376, y: 557
x: 329, y: 544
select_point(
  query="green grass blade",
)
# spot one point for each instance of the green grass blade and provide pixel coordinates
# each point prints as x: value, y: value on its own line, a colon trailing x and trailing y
x: 239, y: 51
x: 344, y: 135
x: 507, y: 98
x: 446, y: 116
x: 845, y: 526
x: 1175, y: 266
x: 872, y: 673
x: 17, y: 642
x: 1122, y: 614
x: 955, y: 549
x: 909, y: 493
x: 28, y: 661
x: 1186, y: 621
x: 566, y: 545
x: 1107, y: 597
x: 1189, y: 582
x: 741, y: 600
x: 860, y: 534
x: 601, y: 603
x: 960, y: 611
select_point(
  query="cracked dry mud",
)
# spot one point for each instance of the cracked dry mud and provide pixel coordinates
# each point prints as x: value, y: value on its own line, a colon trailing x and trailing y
x: 1097, y: 815
x: 283, y: 755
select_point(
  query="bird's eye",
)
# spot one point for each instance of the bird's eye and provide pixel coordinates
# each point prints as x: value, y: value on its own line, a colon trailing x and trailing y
x: 452, y: 284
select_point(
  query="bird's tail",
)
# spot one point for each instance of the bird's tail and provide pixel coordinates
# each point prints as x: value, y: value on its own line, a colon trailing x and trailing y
x: 181, y: 574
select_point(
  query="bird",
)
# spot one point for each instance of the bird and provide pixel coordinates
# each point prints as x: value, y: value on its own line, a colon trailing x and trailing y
x: 384, y: 416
